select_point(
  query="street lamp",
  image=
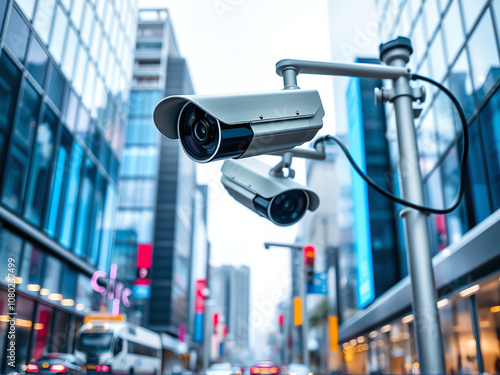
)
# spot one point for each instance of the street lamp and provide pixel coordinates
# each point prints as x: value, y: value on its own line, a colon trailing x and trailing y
x: 302, y: 294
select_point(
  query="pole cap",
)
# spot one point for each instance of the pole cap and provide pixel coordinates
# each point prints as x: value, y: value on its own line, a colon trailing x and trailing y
x: 399, y: 42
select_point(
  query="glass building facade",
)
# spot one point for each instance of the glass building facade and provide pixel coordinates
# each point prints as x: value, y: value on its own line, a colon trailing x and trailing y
x: 455, y: 42
x: 65, y: 68
x: 157, y: 183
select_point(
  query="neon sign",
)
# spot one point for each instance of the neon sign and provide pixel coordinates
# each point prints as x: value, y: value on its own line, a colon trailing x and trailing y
x: 115, y: 290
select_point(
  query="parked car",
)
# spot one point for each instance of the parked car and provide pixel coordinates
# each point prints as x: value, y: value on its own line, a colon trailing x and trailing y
x: 60, y: 363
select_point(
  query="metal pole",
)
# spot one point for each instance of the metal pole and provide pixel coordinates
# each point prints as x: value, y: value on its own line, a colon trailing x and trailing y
x: 428, y: 331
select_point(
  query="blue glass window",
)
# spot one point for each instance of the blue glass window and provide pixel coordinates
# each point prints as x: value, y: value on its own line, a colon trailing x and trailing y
x: 52, y: 274
x: 490, y: 120
x: 83, y: 230
x: 27, y: 6
x: 3, y: 6
x: 17, y: 35
x: 96, y: 223
x: 58, y: 34
x: 460, y: 84
x: 472, y: 9
x: 71, y: 110
x: 483, y: 52
x: 69, y: 285
x: 453, y: 30
x: 71, y: 195
x: 43, y: 19
x: 107, y: 228
x: 61, y: 177
x: 20, y: 148
x: 36, y: 61
x: 140, y: 161
x: 56, y: 87
x: 41, y: 168
x: 9, y: 84
x: 437, y: 58
x: 70, y: 54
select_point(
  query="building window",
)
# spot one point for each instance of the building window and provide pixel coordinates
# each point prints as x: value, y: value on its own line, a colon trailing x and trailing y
x: 22, y: 136
x: 10, y: 247
x: 71, y: 196
x: 17, y: 35
x: 27, y: 6
x: 472, y: 9
x: 9, y: 83
x: 453, y: 30
x: 31, y: 269
x: 56, y: 87
x: 70, y: 54
x: 41, y: 168
x: 3, y: 8
x: 58, y: 34
x: 37, y: 61
x: 42, y: 331
x: 43, y: 19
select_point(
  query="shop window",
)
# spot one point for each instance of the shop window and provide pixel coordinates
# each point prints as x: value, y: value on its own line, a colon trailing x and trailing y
x: 17, y: 35
x: 51, y: 284
x: 24, y: 326
x: 4, y: 326
x: 10, y: 247
x: 458, y: 338
x: 85, y: 295
x: 31, y: 269
x: 22, y: 137
x: 9, y: 85
x: 62, y: 333
x: 68, y: 286
x: 42, y: 333
x: 488, y: 303
x: 41, y: 168
x: 37, y: 61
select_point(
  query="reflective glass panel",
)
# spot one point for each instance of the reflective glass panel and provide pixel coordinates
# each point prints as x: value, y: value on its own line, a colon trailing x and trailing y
x: 453, y: 30
x: 472, y: 8
x: 71, y: 110
x: 139, y: 222
x: 27, y: 6
x: 58, y: 34
x: 460, y: 84
x: 20, y: 148
x: 71, y: 195
x: 107, y: 228
x: 484, y: 55
x: 59, y: 186
x: 37, y: 61
x: 44, y: 18
x: 76, y: 12
x: 97, y: 212
x: 70, y: 54
x: 9, y: 84
x: 84, y: 230
x: 88, y: 24
x: 10, y: 247
x: 3, y: 6
x: 490, y: 120
x: 80, y: 70
x: 41, y: 168
x: 437, y: 58
x: 17, y: 35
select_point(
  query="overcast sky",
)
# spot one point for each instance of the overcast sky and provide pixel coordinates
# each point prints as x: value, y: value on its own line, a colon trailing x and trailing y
x: 233, y: 46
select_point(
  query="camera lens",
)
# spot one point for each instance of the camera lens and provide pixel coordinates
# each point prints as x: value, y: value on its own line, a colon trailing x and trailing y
x: 199, y: 133
x: 288, y: 207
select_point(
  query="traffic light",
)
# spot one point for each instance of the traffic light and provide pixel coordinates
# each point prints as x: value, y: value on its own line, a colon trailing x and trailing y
x: 309, y: 252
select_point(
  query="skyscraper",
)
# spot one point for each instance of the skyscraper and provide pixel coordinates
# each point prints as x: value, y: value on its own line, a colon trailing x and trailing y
x: 157, y: 183
x: 64, y: 74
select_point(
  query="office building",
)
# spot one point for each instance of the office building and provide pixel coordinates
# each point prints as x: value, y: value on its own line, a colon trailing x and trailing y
x: 455, y: 42
x: 65, y: 69
x: 157, y: 184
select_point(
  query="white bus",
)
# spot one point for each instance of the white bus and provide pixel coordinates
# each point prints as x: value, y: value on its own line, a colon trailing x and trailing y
x: 119, y: 348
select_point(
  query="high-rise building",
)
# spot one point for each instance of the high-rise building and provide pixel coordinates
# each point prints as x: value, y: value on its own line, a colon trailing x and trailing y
x: 230, y: 289
x: 157, y: 184
x: 455, y: 42
x: 65, y: 68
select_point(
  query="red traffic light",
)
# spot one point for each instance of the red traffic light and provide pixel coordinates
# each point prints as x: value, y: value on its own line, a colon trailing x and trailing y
x: 216, y: 320
x: 309, y: 252
x: 281, y: 319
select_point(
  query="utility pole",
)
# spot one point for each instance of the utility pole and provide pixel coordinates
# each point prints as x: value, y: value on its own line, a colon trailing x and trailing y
x: 396, y: 54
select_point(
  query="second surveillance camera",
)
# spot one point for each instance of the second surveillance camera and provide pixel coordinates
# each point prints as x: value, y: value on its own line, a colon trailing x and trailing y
x: 215, y: 127
x: 278, y: 199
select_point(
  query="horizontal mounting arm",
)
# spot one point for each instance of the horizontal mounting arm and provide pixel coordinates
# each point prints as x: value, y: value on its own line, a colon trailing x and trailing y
x: 340, y: 69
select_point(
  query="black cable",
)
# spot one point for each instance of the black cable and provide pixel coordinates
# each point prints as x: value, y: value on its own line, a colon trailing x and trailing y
x: 393, y: 197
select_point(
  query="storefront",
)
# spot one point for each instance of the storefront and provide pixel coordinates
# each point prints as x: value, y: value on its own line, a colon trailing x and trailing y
x: 381, y: 338
x: 51, y: 297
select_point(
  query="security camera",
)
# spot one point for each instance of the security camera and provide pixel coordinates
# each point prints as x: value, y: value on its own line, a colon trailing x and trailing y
x: 279, y: 199
x: 213, y: 127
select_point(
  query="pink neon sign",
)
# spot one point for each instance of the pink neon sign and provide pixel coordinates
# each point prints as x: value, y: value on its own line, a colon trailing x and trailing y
x: 115, y: 290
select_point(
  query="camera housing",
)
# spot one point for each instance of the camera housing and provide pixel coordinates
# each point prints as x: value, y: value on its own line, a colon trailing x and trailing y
x: 214, y: 127
x: 279, y: 199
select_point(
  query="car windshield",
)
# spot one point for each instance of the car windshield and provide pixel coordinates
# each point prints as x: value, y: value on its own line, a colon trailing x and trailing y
x: 53, y: 356
x: 95, y: 342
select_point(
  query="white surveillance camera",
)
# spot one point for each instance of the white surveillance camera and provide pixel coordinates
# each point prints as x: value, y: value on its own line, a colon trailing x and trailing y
x: 279, y: 199
x: 213, y: 127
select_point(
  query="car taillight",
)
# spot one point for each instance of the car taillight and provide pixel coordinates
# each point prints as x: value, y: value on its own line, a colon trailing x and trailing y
x: 254, y: 370
x: 31, y: 368
x: 104, y: 368
x: 57, y: 368
x: 274, y: 370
